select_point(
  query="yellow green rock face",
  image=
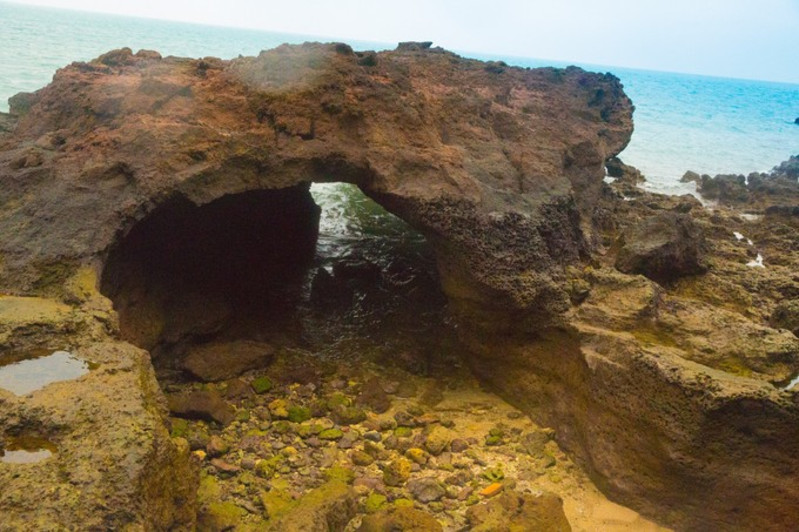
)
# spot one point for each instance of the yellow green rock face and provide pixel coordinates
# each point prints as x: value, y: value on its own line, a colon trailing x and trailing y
x: 397, y: 472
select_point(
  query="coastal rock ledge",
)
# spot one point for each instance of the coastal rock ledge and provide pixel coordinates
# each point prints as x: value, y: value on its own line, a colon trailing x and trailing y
x: 500, y: 168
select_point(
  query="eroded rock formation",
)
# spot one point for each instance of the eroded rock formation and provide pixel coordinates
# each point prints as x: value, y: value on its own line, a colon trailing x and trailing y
x: 441, y: 141
x: 164, y: 182
x: 777, y: 189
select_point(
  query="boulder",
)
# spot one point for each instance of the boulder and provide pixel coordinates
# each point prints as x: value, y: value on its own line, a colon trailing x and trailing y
x: 114, y: 465
x: 664, y: 247
x: 625, y: 173
x: 778, y: 188
x: 218, y: 361
x: 207, y: 405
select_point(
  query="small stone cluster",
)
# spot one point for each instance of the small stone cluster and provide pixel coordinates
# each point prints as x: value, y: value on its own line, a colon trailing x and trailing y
x: 384, y: 445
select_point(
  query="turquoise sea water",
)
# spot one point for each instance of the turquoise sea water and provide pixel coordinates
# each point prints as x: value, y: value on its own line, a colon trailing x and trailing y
x: 682, y: 122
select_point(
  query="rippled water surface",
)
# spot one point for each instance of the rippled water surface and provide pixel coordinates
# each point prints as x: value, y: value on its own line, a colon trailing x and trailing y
x: 383, y: 293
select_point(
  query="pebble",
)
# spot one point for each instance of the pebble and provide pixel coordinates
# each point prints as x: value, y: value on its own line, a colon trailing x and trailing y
x: 397, y: 472
x: 217, y: 447
x: 224, y: 468
x: 465, y: 493
x: 374, y: 484
x: 361, y: 458
x: 387, y: 423
x: 416, y: 455
x: 279, y: 409
x: 405, y: 419
x: 248, y: 463
x: 491, y: 490
x: 458, y: 445
x: 405, y: 457
x: 426, y: 489
x: 438, y: 440
x: 373, y: 436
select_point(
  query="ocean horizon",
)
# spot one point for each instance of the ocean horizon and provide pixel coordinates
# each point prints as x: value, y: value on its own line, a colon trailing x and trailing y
x: 682, y: 121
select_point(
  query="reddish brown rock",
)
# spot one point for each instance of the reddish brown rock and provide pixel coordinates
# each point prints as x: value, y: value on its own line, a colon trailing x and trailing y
x: 207, y: 405
x: 223, y: 360
x: 499, y: 168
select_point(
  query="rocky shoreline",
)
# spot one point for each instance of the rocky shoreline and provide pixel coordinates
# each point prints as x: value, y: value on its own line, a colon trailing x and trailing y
x: 156, y: 219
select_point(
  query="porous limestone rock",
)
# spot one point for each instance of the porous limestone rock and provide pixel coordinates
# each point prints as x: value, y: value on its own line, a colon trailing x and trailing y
x: 663, y: 247
x: 499, y: 168
x: 116, y: 165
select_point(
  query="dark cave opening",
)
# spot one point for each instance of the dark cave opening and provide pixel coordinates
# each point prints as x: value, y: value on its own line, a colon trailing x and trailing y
x: 212, y: 291
x: 186, y: 272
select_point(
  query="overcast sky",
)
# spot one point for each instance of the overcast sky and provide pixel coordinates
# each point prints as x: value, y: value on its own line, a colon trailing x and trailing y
x: 756, y: 39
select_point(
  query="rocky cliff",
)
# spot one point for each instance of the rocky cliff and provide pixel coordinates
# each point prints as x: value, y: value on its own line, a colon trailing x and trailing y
x: 178, y: 187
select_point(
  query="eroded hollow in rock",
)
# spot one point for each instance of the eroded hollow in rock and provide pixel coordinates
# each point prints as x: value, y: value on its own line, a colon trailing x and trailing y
x: 216, y: 290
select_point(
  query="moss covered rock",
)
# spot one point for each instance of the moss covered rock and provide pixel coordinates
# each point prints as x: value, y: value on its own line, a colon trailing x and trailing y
x: 402, y: 518
x: 328, y: 507
x: 516, y: 511
x: 397, y: 472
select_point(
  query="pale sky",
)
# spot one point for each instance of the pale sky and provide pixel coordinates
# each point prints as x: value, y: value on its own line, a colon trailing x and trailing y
x: 756, y: 39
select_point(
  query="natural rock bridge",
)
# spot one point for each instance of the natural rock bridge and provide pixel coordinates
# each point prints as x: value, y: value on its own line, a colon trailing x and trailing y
x: 125, y: 176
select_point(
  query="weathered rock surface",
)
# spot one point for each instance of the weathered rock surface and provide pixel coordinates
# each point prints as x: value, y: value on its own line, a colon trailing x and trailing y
x: 516, y: 511
x: 663, y: 390
x: 757, y: 191
x: 185, y: 184
x: 786, y: 316
x: 504, y: 161
x: 113, y: 466
x: 479, y: 157
x: 664, y: 247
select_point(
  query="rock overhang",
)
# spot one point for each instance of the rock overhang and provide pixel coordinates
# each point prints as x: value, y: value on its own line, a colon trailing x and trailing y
x: 461, y: 149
